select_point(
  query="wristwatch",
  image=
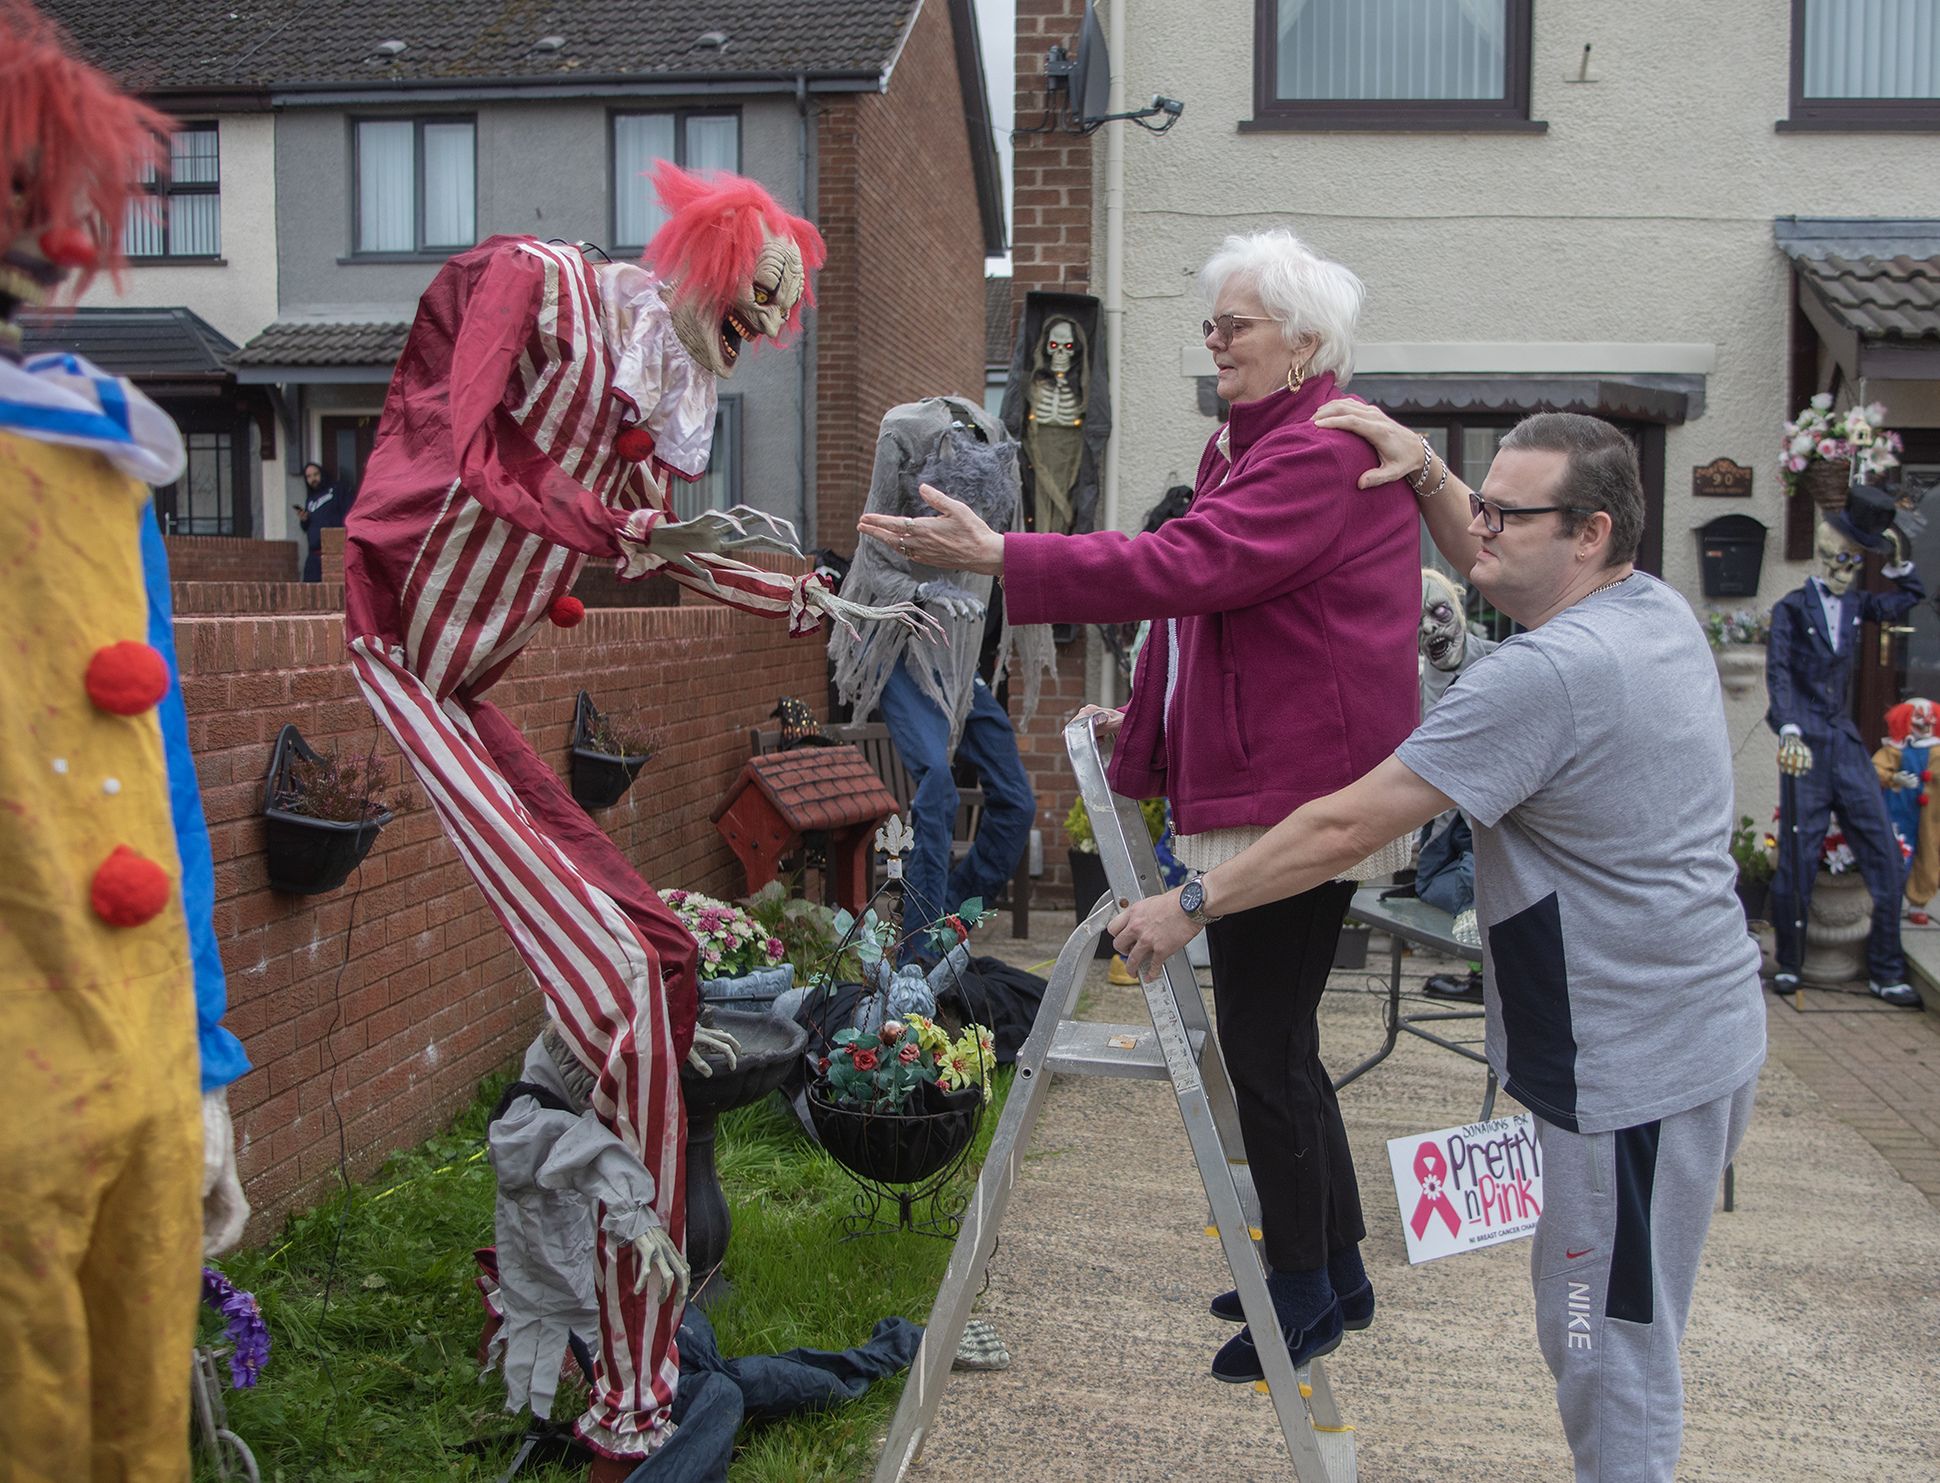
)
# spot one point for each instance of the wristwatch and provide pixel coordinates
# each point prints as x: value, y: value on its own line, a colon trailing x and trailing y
x: 1192, y: 901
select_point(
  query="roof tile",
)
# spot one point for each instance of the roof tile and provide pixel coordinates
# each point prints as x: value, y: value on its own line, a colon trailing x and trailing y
x: 817, y: 788
x: 1890, y: 298
x: 296, y: 342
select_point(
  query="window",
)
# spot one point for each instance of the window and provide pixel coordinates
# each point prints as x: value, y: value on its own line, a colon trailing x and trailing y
x: 1865, y: 64
x: 182, y: 215
x: 202, y: 502
x: 415, y: 184
x: 694, y: 141
x: 720, y: 487
x: 1391, y: 64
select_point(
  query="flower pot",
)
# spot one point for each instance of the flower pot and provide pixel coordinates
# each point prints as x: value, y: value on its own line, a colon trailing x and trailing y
x: 1088, y: 883
x: 1836, y: 928
x: 1350, y: 948
x: 1752, y: 895
x: 896, y: 1147
x: 1826, y: 480
x: 308, y: 856
x: 599, y: 779
x: 755, y: 990
x: 1741, y: 668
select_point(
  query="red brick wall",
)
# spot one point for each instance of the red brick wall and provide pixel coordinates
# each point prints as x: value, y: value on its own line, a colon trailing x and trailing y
x: 426, y: 996
x: 231, y: 559
x: 902, y: 297
x: 1050, y: 249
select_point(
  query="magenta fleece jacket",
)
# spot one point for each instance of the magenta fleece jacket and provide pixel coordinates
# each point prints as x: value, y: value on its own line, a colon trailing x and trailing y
x: 1299, y: 596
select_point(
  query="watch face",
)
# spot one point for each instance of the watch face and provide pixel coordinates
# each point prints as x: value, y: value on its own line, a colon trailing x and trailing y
x: 1192, y: 896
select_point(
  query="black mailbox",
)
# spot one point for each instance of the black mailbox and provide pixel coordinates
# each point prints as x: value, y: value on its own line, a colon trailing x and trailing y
x: 1731, y: 550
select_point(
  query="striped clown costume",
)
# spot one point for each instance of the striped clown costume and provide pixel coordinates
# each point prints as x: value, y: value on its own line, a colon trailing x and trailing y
x: 542, y: 403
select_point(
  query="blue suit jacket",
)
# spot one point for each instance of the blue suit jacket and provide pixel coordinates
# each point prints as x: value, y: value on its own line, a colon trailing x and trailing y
x: 1809, y: 684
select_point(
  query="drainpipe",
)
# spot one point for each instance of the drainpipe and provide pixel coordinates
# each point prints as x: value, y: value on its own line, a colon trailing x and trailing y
x: 804, y: 371
x: 1114, y: 289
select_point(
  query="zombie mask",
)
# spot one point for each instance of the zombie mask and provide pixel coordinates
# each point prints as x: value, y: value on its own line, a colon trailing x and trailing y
x: 1443, y: 635
x: 1060, y: 346
x: 733, y: 265
x: 1840, y: 559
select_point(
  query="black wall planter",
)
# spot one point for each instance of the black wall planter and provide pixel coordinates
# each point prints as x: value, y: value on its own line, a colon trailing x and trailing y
x: 599, y: 779
x: 897, y: 1147
x: 308, y: 856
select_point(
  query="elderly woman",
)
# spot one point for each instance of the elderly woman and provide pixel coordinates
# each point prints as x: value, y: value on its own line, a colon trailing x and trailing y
x: 1284, y: 669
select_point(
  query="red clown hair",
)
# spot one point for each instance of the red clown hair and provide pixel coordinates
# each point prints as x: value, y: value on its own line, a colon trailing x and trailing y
x: 1899, y: 720
x: 715, y: 228
x: 72, y: 143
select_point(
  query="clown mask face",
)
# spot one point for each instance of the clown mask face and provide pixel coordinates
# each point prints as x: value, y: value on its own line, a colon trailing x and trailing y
x: 1920, y: 724
x: 1443, y: 635
x: 714, y: 334
x: 1060, y: 346
x: 1840, y: 560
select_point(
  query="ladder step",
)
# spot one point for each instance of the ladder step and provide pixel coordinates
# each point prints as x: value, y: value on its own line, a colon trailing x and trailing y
x: 1087, y: 1048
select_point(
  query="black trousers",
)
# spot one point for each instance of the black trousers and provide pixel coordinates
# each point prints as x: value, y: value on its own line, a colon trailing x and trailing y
x: 1269, y: 969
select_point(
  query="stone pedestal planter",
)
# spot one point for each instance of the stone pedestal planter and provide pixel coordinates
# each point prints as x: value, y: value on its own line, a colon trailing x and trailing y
x: 1836, y: 928
x: 1741, y: 668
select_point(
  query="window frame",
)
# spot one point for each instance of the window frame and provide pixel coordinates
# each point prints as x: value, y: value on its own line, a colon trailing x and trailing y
x: 1507, y: 115
x: 164, y: 187
x: 420, y: 252
x: 680, y: 117
x: 1849, y: 115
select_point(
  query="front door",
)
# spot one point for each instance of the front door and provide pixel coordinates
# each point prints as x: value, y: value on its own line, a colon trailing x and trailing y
x: 346, y: 450
x: 1906, y: 664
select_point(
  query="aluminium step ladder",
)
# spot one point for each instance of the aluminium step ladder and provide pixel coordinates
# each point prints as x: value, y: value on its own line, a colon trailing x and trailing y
x: 1178, y: 1046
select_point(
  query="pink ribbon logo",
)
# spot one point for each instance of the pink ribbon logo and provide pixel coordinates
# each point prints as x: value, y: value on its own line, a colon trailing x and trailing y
x: 1431, y: 1168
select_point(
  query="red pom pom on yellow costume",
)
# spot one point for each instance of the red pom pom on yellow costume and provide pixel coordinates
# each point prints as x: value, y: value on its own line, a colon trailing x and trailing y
x: 567, y: 612
x: 127, y: 678
x: 128, y: 889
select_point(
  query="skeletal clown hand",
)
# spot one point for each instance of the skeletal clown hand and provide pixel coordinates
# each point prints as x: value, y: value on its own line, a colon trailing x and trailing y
x: 650, y: 539
x: 949, y: 599
x: 706, y: 1039
x: 660, y: 1258
x: 1794, y: 756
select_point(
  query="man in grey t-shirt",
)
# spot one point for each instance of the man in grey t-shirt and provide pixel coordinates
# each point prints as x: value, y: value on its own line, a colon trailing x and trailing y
x: 1620, y: 985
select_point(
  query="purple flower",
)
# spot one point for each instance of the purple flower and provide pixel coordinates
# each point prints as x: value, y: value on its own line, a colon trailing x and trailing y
x: 243, y: 1324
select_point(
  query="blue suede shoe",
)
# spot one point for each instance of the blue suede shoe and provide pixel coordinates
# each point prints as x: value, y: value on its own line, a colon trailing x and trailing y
x: 1356, y: 1308
x: 1238, y: 1362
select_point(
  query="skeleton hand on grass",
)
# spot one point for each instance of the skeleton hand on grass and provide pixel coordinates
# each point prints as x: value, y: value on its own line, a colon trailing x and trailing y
x: 661, y: 1258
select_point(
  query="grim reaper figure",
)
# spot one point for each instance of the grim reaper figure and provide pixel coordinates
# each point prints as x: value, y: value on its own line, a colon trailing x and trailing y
x: 933, y: 698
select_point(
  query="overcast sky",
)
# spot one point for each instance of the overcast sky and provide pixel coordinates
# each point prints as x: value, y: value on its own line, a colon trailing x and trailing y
x: 996, y: 29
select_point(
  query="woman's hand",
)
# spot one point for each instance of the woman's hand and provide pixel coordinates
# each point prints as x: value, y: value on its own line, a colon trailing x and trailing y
x: 1399, y: 448
x: 1150, y: 931
x: 954, y: 539
x: 1108, y: 720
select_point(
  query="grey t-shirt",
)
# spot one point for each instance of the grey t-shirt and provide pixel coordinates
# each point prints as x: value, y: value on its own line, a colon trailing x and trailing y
x: 1591, y: 756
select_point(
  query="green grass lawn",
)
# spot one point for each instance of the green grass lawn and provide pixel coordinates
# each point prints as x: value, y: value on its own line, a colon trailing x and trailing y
x: 382, y: 1386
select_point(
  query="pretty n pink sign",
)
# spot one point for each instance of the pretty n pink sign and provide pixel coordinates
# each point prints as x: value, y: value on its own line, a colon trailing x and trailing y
x: 1460, y: 1189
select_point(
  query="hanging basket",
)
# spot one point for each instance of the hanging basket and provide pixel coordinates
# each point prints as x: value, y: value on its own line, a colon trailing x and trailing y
x: 308, y: 856
x: 599, y: 779
x: 896, y: 1147
x: 1826, y: 480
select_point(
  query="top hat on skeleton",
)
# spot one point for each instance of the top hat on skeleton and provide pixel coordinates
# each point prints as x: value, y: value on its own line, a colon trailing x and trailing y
x: 1869, y: 511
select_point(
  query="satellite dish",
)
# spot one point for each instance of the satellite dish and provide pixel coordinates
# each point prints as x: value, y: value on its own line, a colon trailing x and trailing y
x: 1091, y: 77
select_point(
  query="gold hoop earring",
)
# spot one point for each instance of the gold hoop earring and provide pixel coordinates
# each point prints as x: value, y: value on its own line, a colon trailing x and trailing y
x: 1296, y: 377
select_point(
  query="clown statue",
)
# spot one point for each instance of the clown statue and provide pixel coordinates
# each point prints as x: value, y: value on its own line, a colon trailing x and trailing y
x: 1904, y: 764
x: 1823, y: 765
x: 118, y: 1173
x: 542, y: 404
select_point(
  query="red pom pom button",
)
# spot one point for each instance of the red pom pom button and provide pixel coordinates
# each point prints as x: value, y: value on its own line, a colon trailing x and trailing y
x: 635, y: 445
x: 566, y: 612
x: 128, y: 889
x: 1926, y: 774
x: 127, y: 678
x: 69, y: 247
x: 1923, y: 800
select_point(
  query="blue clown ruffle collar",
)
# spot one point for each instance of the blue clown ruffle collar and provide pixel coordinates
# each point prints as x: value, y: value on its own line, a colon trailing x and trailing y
x: 62, y: 398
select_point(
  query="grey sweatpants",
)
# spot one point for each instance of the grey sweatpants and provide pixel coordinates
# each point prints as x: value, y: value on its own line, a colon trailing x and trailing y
x: 1615, y: 1258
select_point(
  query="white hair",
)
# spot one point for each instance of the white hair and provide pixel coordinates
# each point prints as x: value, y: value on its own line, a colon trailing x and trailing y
x: 1302, y: 291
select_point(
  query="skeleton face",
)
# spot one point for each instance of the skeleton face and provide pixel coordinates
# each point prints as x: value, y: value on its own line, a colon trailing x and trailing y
x: 760, y: 308
x: 1061, y: 345
x: 1443, y: 635
x: 1840, y: 560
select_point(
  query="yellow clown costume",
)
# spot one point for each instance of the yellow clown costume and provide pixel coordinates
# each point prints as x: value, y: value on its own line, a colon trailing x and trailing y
x: 100, y: 1156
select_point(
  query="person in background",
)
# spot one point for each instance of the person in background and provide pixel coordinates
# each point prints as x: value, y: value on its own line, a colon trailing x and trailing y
x: 1280, y: 667
x: 323, y: 508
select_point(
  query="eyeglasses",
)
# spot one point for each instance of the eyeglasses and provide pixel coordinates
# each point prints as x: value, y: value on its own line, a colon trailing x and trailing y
x: 1840, y: 560
x: 1228, y: 325
x: 1492, y: 513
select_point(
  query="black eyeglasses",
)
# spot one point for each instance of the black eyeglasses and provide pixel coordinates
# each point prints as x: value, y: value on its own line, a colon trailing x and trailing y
x: 1492, y: 513
x: 1228, y: 325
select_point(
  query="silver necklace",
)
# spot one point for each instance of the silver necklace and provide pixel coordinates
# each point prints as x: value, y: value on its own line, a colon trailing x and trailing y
x: 1613, y: 582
